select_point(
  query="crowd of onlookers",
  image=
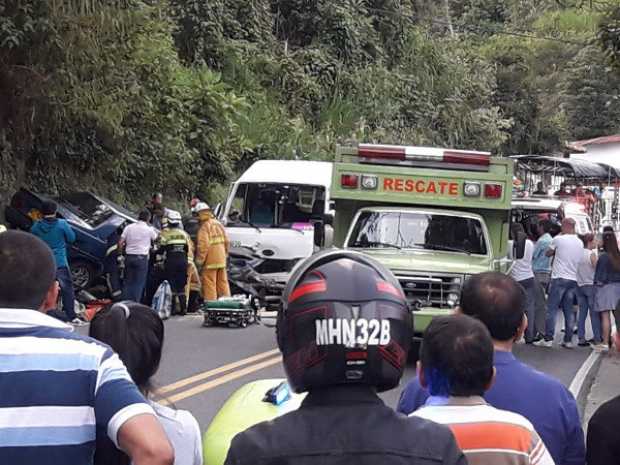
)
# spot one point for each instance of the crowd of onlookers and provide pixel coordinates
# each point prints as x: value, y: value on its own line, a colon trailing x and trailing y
x: 560, y: 271
x: 69, y: 399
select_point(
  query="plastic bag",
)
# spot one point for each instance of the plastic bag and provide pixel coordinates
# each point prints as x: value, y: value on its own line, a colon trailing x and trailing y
x: 162, y: 301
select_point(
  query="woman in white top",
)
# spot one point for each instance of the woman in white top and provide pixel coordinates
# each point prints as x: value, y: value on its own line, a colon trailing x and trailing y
x: 136, y: 334
x: 522, y: 273
x: 585, y: 292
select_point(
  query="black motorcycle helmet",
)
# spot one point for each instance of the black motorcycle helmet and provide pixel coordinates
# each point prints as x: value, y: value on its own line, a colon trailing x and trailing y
x: 344, y: 320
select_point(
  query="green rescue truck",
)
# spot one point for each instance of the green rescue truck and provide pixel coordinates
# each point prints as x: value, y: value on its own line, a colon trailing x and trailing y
x: 433, y: 216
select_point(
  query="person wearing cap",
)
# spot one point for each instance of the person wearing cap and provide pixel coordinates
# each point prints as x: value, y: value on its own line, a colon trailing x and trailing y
x: 211, y: 252
x: 344, y: 332
x: 178, y: 252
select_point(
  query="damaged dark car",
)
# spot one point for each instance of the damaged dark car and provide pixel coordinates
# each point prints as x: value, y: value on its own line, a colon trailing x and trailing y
x: 92, y: 218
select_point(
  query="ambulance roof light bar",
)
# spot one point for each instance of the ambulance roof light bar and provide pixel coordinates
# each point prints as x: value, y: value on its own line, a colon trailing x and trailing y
x: 424, y: 154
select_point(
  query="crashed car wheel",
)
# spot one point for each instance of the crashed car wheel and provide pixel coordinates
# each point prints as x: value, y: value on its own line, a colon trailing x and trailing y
x: 82, y: 274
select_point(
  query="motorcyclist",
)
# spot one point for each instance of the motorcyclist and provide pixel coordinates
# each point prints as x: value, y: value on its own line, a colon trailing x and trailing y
x: 344, y: 331
x: 211, y: 251
x: 178, y: 251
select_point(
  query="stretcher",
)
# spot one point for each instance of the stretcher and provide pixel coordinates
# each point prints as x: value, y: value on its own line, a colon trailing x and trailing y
x: 232, y: 311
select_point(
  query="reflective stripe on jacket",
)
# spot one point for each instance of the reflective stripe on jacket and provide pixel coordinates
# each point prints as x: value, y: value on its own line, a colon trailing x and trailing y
x: 175, y: 238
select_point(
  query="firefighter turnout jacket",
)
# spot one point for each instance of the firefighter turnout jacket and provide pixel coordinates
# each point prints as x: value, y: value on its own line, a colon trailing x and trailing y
x: 175, y: 240
x: 212, y: 247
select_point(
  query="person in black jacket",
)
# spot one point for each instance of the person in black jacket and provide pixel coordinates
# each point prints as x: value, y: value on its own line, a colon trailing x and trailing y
x: 603, y: 444
x: 344, y: 332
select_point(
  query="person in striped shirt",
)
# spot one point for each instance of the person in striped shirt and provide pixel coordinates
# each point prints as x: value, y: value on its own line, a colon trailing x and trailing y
x: 456, y: 365
x: 58, y: 390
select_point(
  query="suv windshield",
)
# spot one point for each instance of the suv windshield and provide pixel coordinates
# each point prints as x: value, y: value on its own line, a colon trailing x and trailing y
x: 276, y: 205
x: 417, y: 230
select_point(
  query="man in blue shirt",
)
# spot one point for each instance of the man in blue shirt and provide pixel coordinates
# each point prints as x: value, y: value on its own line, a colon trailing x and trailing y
x: 59, y: 389
x: 57, y: 234
x: 541, y: 266
x: 499, y: 302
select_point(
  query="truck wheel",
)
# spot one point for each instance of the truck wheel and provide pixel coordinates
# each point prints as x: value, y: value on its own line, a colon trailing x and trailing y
x: 83, y: 274
x: 414, y: 351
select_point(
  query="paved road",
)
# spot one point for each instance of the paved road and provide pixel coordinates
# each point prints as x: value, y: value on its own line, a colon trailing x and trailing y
x: 249, y: 354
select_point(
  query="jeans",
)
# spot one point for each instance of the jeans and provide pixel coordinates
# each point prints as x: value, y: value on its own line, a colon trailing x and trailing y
x: 540, y: 305
x: 136, y: 270
x: 530, y: 286
x: 543, y: 277
x: 561, y: 293
x: 585, y: 297
x: 63, y: 276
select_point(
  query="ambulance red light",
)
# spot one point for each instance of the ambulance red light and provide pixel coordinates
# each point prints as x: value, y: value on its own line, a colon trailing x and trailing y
x: 349, y: 181
x: 493, y: 191
x: 469, y: 158
x: 390, y: 152
x: 397, y: 153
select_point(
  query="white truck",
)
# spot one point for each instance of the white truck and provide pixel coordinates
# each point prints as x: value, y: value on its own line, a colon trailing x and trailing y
x: 272, y: 209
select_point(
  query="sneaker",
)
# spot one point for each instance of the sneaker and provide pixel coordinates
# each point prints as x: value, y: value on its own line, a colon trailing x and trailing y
x: 543, y: 343
x: 600, y: 347
x: 583, y: 344
x: 568, y: 345
x: 78, y: 322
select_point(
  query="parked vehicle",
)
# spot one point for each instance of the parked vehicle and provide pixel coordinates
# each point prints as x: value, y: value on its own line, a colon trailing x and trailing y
x: 529, y: 211
x: 433, y: 216
x: 92, y: 218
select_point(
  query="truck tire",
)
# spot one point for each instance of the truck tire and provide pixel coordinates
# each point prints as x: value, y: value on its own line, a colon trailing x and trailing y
x: 83, y: 274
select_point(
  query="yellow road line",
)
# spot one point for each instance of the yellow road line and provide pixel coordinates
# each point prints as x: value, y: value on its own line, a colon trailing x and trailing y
x: 216, y: 371
x: 219, y: 381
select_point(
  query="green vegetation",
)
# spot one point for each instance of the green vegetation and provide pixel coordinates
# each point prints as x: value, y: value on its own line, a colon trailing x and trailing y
x: 132, y: 96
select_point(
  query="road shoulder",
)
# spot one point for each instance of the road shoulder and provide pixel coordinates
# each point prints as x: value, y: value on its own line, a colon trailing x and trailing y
x: 604, y: 386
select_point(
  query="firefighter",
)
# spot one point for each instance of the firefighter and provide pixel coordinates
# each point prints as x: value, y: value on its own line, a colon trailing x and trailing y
x: 211, y: 252
x: 114, y: 265
x: 177, y: 248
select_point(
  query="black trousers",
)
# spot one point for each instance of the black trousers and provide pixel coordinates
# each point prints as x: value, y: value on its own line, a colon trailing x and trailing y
x: 175, y: 272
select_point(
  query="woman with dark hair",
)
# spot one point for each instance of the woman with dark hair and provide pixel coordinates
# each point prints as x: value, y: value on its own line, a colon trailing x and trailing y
x: 136, y: 334
x: 585, y: 291
x: 607, y: 280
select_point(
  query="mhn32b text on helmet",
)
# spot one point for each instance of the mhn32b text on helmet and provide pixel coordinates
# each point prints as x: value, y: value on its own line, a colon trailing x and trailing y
x: 340, y: 331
